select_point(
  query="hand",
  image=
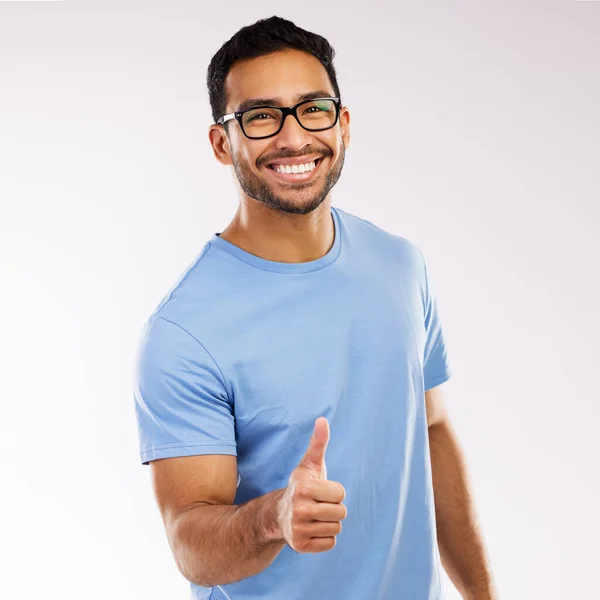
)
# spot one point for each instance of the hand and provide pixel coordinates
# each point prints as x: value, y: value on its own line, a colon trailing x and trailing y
x: 310, y: 509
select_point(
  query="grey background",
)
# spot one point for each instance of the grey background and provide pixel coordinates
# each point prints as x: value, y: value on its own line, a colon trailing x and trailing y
x: 475, y: 129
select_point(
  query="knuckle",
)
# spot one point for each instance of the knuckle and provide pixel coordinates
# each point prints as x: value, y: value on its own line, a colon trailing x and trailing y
x: 303, y: 490
x: 301, y: 511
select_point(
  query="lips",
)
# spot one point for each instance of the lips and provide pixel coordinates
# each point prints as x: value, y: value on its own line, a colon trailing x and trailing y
x: 296, y: 177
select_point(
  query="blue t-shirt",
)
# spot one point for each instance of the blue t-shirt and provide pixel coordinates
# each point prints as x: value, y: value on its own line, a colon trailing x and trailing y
x: 243, y: 354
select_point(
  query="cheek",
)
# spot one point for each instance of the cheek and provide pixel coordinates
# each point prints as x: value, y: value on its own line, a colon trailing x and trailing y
x: 243, y: 152
x: 245, y: 159
x: 254, y: 154
x: 333, y: 143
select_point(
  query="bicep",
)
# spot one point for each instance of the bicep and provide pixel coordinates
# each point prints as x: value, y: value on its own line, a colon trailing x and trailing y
x: 435, y: 406
x: 180, y: 483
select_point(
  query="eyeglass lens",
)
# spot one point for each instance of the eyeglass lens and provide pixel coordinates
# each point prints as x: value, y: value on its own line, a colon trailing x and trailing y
x: 315, y: 114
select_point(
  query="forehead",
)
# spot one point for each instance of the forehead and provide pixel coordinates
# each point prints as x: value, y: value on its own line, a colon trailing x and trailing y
x: 283, y: 74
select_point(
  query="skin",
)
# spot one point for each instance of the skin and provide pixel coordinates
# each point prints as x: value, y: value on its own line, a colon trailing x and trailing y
x: 460, y: 537
x: 280, y: 221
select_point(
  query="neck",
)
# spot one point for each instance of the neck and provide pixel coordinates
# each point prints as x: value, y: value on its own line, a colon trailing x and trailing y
x: 280, y: 236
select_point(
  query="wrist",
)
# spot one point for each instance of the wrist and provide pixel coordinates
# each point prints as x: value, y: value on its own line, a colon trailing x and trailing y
x: 270, y: 526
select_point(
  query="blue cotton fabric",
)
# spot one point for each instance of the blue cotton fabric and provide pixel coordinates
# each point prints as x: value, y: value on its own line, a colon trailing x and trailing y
x: 243, y: 354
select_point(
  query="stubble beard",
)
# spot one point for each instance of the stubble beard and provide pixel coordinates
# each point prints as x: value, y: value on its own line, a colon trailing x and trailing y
x: 304, y: 199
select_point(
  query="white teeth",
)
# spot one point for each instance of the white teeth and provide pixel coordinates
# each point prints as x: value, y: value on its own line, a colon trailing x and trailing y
x: 295, y: 168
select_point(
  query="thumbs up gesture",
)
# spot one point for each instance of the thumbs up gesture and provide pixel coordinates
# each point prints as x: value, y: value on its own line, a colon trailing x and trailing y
x: 310, y: 509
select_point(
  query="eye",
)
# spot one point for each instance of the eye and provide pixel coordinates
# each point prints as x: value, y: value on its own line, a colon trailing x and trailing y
x: 256, y: 117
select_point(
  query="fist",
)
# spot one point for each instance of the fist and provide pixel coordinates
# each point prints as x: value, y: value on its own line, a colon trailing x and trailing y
x: 310, y: 510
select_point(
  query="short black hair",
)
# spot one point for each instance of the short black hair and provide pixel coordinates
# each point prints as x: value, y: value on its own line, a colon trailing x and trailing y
x: 261, y: 38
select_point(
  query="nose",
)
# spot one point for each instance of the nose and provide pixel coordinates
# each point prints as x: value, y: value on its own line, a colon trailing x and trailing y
x: 292, y: 134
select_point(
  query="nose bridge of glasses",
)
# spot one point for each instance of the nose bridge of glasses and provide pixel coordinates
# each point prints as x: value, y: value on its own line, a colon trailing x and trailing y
x: 284, y: 125
x: 292, y: 113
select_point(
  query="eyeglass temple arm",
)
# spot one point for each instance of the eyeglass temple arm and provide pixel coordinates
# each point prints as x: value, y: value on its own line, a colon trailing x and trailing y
x: 226, y: 118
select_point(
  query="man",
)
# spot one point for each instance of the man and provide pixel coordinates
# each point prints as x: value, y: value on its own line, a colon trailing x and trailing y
x: 290, y: 380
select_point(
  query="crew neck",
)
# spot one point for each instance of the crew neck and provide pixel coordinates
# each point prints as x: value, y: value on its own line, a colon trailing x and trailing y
x: 284, y: 267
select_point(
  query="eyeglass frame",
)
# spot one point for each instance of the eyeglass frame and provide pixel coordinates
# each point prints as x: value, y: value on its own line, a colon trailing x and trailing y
x: 285, y: 110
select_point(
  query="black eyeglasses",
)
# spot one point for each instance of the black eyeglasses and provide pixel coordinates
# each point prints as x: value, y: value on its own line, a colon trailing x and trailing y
x: 261, y: 122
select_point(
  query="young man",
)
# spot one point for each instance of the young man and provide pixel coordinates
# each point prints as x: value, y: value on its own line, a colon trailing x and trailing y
x: 290, y: 380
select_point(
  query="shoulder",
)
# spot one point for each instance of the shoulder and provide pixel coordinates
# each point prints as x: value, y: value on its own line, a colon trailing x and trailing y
x: 400, y: 249
x: 192, y: 297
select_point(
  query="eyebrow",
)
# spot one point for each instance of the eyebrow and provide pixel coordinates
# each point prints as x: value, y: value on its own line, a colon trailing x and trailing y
x: 252, y: 102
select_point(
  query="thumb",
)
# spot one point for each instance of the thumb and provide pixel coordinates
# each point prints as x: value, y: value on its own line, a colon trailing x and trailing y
x: 314, y: 458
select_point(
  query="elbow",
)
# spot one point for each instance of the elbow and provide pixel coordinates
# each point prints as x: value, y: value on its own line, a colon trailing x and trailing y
x: 188, y: 560
x: 192, y: 574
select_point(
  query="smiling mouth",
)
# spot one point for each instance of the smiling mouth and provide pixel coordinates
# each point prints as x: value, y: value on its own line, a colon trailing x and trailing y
x: 296, y: 173
x: 316, y: 161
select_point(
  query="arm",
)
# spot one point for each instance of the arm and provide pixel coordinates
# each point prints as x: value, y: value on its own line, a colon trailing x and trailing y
x: 183, y: 407
x: 459, y: 535
x: 212, y: 540
x: 218, y: 544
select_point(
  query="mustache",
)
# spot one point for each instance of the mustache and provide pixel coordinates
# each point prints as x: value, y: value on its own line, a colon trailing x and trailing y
x: 324, y: 153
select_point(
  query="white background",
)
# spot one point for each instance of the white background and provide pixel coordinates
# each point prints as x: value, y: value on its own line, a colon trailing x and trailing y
x: 475, y: 133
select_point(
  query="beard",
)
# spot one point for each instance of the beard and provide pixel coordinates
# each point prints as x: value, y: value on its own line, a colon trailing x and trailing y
x: 303, y: 197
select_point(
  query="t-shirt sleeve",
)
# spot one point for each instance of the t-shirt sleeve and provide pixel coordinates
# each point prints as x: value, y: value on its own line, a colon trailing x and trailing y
x: 181, y: 401
x: 436, y: 366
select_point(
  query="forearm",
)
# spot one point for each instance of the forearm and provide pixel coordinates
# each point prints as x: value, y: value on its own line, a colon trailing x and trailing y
x: 219, y: 544
x: 460, y: 539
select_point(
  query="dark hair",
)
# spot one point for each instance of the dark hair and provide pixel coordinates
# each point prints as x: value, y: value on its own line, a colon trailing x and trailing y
x: 264, y: 37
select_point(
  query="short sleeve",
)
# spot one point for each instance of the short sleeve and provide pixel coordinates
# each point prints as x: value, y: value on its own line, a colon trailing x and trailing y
x: 436, y: 367
x: 181, y: 401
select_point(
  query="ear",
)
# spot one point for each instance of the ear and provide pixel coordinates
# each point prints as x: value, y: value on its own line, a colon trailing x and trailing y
x: 220, y: 144
x: 345, y: 125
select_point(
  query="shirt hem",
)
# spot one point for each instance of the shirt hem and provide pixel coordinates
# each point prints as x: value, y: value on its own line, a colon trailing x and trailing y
x: 185, y: 449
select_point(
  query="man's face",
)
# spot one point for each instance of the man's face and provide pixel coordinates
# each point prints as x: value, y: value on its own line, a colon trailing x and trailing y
x: 284, y: 75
